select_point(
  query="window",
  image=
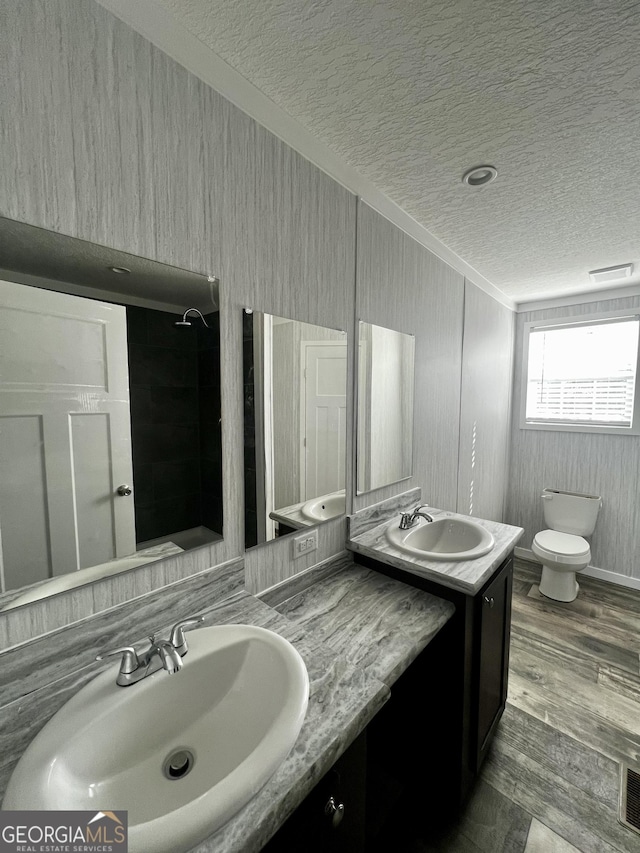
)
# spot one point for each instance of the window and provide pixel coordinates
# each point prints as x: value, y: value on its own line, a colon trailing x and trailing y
x: 582, y: 374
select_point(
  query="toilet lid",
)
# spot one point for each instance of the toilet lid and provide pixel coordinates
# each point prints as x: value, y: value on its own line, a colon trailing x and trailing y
x: 562, y: 543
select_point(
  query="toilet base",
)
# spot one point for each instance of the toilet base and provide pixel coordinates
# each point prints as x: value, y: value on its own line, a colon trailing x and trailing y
x: 558, y: 585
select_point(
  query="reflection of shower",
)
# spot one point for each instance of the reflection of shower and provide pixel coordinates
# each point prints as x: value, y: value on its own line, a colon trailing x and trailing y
x: 185, y: 322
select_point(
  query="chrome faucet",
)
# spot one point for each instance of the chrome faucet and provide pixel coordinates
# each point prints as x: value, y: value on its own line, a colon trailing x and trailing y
x: 161, y: 654
x: 407, y: 519
x: 169, y: 657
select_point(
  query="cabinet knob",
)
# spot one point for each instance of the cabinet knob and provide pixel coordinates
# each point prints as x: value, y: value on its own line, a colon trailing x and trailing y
x: 334, y: 811
x: 489, y: 601
x: 124, y: 491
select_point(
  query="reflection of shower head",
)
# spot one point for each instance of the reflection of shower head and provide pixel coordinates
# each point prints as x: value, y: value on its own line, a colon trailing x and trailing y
x: 185, y: 322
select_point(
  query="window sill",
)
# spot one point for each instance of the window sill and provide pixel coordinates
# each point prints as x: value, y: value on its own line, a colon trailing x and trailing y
x: 582, y: 428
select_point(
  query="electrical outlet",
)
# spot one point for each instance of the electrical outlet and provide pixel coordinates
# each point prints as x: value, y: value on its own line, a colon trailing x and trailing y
x: 304, y: 544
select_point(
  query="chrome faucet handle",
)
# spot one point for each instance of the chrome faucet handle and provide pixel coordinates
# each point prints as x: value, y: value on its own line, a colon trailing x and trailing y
x: 129, y: 662
x: 178, y: 639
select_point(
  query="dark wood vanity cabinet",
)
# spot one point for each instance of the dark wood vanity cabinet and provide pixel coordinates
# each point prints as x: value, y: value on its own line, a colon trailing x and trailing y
x: 492, y: 621
x: 458, y: 685
x: 331, y: 819
x: 414, y: 765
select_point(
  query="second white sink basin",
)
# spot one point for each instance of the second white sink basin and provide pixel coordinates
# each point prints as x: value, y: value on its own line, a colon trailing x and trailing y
x: 449, y: 539
x: 180, y: 753
x: 325, y: 507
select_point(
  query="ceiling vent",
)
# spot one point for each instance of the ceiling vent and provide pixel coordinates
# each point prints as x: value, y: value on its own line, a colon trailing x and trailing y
x: 609, y: 274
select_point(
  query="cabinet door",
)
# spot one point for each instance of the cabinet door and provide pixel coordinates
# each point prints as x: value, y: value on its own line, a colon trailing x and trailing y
x: 332, y: 817
x: 493, y: 631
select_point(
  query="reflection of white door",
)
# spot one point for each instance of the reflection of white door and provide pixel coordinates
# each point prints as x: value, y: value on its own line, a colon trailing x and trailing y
x: 324, y: 417
x: 65, y: 434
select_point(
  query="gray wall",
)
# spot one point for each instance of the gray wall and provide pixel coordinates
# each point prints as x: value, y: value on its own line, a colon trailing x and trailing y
x: 463, y: 359
x: 606, y: 465
x: 402, y: 286
x: 484, y: 415
x: 107, y: 139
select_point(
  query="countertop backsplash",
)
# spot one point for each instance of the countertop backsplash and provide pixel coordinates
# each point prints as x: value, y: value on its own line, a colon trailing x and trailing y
x: 372, y: 516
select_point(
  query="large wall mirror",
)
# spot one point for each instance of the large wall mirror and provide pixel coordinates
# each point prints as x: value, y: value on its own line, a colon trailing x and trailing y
x: 295, y: 400
x: 385, y: 407
x: 110, y: 439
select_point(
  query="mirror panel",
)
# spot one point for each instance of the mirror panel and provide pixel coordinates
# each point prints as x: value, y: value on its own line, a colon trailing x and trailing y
x: 295, y: 402
x: 385, y: 407
x: 110, y: 438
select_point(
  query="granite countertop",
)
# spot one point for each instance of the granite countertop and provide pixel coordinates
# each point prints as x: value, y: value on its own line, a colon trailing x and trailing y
x: 377, y: 623
x: 292, y: 516
x: 357, y: 631
x: 465, y: 575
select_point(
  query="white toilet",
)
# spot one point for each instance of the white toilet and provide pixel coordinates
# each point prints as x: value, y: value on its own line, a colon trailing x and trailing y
x: 561, y: 549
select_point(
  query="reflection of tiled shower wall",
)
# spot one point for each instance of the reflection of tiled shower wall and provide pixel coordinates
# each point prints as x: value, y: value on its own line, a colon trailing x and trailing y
x: 250, y: 500
x: 167, y: 423
x: 210, y: 425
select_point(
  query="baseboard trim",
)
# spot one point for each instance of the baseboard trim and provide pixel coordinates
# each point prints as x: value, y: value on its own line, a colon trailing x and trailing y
x: 590, y: 571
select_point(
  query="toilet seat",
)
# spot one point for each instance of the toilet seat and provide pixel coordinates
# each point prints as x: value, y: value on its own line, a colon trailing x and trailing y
x: 563, y: 544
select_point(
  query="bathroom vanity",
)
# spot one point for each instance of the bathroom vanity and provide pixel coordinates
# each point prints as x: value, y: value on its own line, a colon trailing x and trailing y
x: 417, y: 759
x: 394, y: 633
x: 475, y: 650
x: 399, y: 712
x: 477, y: 662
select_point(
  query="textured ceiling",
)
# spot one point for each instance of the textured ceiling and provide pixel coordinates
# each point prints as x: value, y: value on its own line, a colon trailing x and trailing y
x: 411, y: 93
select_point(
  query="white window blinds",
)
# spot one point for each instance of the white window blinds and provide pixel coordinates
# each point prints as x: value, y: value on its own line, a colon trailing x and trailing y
x: 583, y: 373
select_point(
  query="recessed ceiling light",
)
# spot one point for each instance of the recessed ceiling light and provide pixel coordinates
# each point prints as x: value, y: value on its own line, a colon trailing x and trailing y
x: 609, y: 274
x: 120, y: 270
x: 479, y: 176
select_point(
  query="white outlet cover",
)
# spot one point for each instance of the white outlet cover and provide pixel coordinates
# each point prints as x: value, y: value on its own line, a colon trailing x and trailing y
x: 304, y: 544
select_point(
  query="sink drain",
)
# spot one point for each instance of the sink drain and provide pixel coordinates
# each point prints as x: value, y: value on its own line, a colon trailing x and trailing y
x: 178, y: 764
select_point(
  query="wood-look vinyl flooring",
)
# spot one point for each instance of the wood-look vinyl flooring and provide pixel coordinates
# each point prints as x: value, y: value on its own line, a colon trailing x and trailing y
x: 550, y: 783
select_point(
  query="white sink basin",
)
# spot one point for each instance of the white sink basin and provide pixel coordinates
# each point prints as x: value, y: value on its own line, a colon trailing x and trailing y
x: 236, y: 707
x: 449, y: 539
x: 325, y: 507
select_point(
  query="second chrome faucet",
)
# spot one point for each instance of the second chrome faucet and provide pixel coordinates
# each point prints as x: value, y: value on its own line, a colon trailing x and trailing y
x: 161, y: 654
x: 407, y: 519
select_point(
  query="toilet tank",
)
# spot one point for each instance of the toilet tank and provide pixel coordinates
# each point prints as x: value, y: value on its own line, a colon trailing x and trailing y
x: 570, y: 512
